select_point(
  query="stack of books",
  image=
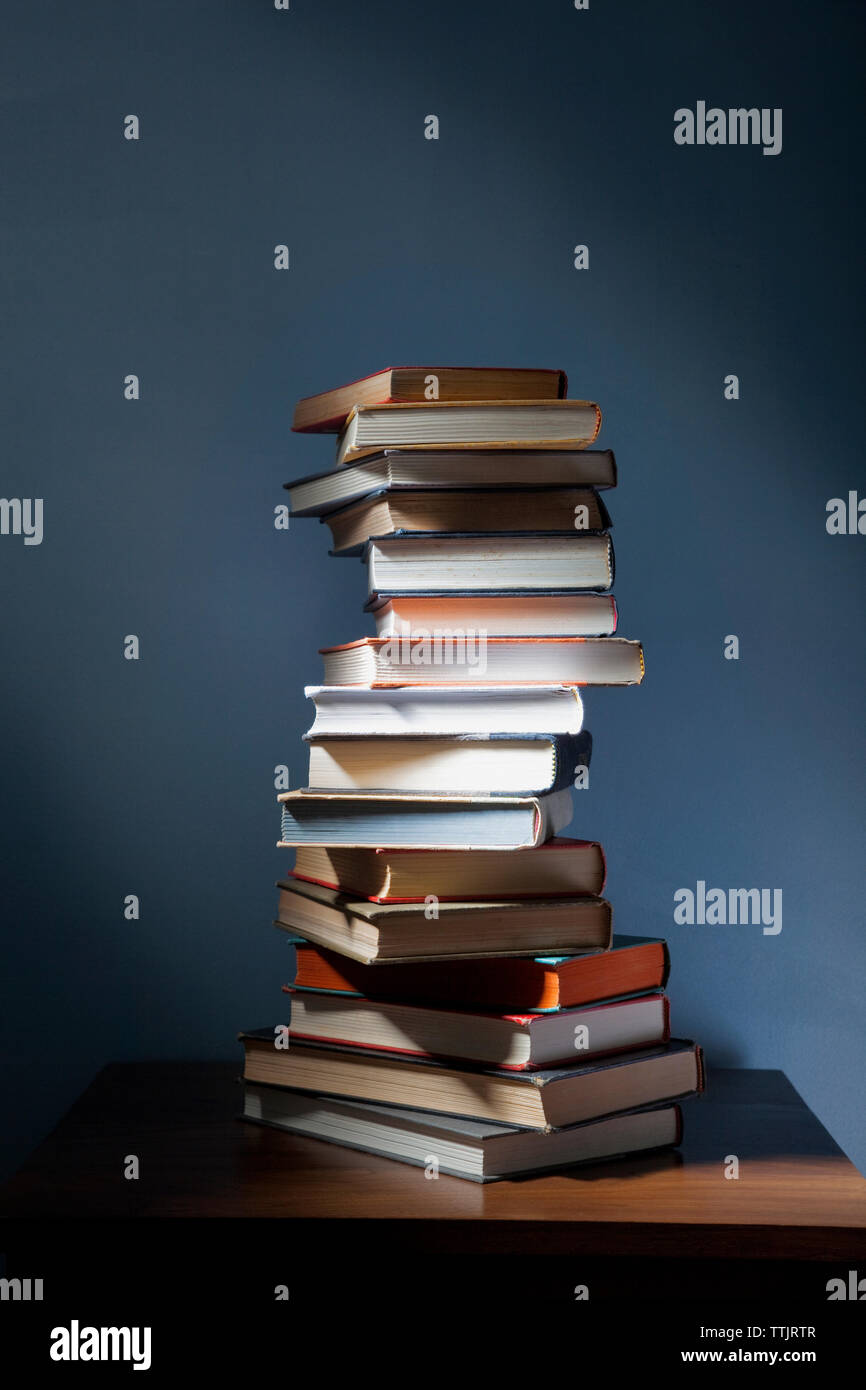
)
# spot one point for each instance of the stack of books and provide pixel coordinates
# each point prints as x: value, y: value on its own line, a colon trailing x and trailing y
x: 459, y: 1001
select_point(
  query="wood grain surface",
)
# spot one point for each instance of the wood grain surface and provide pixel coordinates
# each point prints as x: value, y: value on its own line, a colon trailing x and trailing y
x: 797, y: 1195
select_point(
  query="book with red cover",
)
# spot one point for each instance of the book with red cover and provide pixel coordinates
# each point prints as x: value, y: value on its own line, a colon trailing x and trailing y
x: 508, y: 985
x: 514, y: 1041
x: 413, y: 659
x: 326, y: 412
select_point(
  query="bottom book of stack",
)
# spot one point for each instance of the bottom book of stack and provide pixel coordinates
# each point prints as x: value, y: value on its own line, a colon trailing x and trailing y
x: 460, y: 1147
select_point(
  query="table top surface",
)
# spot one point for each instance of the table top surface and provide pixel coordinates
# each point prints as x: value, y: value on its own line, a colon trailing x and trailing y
x: 796, y: 1196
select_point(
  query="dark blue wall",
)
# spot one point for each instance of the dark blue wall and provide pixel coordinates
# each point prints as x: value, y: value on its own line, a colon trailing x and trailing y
x: 260, y: 127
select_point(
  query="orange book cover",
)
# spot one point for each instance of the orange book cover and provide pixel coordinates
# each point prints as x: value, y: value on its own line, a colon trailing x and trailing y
x: 326, y: 412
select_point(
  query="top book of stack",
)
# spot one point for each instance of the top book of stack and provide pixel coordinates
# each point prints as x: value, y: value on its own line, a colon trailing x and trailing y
x: 327, y: 412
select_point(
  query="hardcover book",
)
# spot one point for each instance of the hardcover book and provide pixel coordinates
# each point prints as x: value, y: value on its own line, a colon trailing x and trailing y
x: 558, y: 868
x: 498, y: 615
x: 632, y: 965
x: 484, y: 764
x: 548, y: 1099
x: 516, y: 563
x: 467, y: 708
x: 439, y: 659
x: 397, y: 820
x: 328, y: 410
x: 368, y: 931
x: 473, y: 1149
x: 319, y: 493
x: 512, y: 1041
x: 556, y: 511
x: 559, y: 424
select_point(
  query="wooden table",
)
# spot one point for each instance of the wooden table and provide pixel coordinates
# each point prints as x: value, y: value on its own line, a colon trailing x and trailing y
x: 797, y: 1195
x: 665, y: 1241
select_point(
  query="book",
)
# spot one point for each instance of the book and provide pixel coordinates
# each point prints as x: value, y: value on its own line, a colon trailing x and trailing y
x: 373, y: 820
x: 558, y: 868
x: 472, y: 1149
x: 448, y: 659
x: 327, y: 411
x: 632, y: 965
x: 489, y: 764
x: 437, y: 709
x: 482, y: 564
x: 317, y: 493
x: 558, y: 424
x: 511, y: 1041
x: 548, y: 1099
x: 366, y: 931
x: 498, y: 615
x: 552, y: 510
